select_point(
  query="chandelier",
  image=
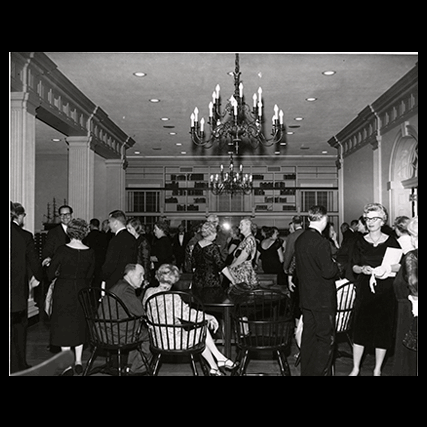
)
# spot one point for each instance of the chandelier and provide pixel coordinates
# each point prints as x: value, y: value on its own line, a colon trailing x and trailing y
x: 231, y: 182
x: 238, y: 122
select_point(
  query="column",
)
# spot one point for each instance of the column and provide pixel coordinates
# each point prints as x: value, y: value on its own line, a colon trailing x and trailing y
x: 22, y: 154
x: 81, y: 167
x: 115, y: 185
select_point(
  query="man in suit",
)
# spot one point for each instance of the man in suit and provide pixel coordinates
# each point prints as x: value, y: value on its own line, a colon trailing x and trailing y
x: 316, y: 272
x: 122, y: 250
x: 179, y: 243
x: 57, y: 236
x: 24, y: 263
x: 125, y: 289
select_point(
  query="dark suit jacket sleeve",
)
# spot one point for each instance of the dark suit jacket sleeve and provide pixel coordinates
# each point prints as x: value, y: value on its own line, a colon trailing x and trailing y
x: 32, y: 259
x: 111, y: 259
x: 328, y: 266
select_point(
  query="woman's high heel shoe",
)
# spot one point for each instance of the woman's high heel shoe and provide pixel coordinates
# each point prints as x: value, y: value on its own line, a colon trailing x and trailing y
x: 226, y: 364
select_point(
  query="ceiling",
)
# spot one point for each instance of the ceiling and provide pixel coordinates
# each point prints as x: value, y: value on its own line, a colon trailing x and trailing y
x: 182, y: 81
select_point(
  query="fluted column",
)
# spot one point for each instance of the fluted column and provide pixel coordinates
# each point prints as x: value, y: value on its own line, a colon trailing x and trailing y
x: 22, y: 153
x: 81, y: 166
x: 115, y: 185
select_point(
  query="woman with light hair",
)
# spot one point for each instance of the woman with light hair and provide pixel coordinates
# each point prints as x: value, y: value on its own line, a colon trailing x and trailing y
x: 375, y: 301
x: 206, y: 261
x: 170, y: 310
x: 241, y: 269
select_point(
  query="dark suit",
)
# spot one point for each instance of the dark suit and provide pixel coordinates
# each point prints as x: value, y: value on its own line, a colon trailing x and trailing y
x: 97, y: 240
x: 56, y: 237
x: 179, y: 249
x: 23, y: 257
x: 122, y: 250
x: 127, y: 294
x: 316, y: 272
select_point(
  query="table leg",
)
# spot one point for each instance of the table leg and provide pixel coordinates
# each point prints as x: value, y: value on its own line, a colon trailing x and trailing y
x: 227, y: 332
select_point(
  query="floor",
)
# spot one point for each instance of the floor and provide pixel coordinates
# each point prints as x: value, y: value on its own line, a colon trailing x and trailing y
x: 38, y: 351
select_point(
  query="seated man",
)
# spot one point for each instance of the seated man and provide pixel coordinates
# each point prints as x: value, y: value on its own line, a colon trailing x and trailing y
x: 125, y: 289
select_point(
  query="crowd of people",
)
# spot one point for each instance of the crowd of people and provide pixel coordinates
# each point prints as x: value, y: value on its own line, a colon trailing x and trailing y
x: 307, y: 263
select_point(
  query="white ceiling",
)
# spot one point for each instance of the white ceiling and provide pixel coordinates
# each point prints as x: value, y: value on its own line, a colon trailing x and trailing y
x: 184, y: 80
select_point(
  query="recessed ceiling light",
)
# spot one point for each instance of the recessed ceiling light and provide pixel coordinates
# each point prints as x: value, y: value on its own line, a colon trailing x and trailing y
x: 312, y: 99
x: 178, y: 144
x: 137, y: 152
x: 290, y: 133
x: 298, y: 119
x: 139, y: 74
x: 154, y: 100
x: 183, y: 152
x: 277, y: 153
x: 329, y: 73
x: 172, y: 133
x: 324, y: 152
x: 56, y: 139
x: 283, y: 143
x: 165, y: 119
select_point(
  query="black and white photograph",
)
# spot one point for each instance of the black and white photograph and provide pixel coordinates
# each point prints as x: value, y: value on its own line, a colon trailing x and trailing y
x: 213, y: 213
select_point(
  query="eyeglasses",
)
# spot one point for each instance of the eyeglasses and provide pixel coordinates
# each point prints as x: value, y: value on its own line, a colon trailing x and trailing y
x: 66, y: 214
x: 367, y: 219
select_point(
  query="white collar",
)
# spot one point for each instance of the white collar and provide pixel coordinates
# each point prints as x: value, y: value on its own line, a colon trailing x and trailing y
x: 119, y: 230
x: 64, y: 227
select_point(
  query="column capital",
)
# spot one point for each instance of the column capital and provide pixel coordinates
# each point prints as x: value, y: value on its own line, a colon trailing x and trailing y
x: 25, y: 100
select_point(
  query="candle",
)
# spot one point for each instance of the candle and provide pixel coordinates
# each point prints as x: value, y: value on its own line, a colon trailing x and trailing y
x: 276, y: 110
x: 202, y: 124
x: 196, y: 114
x: 192, y: 119
x: 260, y: 108
x: 281, y: 117
x: 210, y: 109
x: 254, y: 98
x: 217, y: 91
x: 212, y: 178
x: 213, y: 97
x: 222, y: 168
x: 241, y: 90
x: 259, y: 93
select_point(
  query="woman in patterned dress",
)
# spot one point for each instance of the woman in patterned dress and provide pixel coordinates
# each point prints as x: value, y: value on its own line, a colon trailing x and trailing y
x: 241, y: 269
x: 171, y: 309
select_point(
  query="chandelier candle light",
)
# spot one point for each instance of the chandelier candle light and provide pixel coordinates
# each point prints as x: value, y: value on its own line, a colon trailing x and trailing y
x: 238, y: 123
x: 231, y: 182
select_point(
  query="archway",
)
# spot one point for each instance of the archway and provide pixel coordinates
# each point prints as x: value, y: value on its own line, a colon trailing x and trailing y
x: 404, y: 174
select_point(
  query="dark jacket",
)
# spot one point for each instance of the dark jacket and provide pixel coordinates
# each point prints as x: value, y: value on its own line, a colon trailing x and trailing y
x: 55, y: 238
x: 121, y: 251
x: 316, y: 271
x: 22, y: 256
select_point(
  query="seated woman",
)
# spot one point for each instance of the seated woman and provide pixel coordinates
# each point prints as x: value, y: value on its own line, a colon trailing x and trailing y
x: 168, y: 275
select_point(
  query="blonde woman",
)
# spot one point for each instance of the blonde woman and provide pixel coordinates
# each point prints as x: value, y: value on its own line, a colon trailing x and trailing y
x: 375, y: 302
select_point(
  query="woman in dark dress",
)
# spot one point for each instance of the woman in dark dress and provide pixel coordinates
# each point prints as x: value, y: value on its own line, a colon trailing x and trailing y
x: 73, y: 265
x: 271, y: 253
x: 161, y: 250
x: 206, y: 259
x: 406, y: 290
x: 375, y: 303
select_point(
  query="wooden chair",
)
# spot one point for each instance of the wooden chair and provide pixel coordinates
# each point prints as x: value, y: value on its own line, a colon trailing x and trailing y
x: 111, y: 328
x: 49, y: 368
x: 346, y: 296
x: 263, y: 322
x: 177, y: 327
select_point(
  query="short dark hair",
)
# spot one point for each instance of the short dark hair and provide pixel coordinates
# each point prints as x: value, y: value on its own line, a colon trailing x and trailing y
x: 65, y: 206
x: 119, y: 215
x: 77, y: 229
x: 162, y: 225
x: 317, y: 212
x: 297, y: 219
x: 16, y: 209
x: 94, y: 222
